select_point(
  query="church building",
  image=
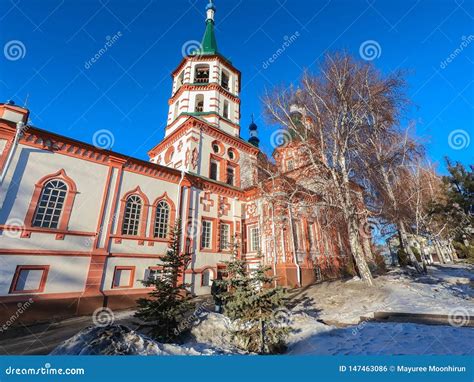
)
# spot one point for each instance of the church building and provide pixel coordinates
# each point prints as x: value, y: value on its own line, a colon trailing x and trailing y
x: 81, y: 227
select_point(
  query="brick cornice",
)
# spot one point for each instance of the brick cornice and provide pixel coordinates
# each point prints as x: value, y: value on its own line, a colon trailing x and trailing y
x: 215, y: 132
x: 45, y: 140
x: 209, y: 86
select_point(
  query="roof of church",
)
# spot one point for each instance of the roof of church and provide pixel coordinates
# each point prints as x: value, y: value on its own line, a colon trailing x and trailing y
x: 209, y: 43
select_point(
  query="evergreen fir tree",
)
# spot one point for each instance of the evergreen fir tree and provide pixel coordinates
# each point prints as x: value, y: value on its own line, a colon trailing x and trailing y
x: 256, y: 307
x: 167, y: 304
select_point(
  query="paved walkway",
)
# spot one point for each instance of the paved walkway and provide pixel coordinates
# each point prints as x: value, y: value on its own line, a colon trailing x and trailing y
x: 41, y: 339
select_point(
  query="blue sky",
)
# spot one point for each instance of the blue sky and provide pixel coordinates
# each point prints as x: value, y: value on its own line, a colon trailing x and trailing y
x: 127, y: 89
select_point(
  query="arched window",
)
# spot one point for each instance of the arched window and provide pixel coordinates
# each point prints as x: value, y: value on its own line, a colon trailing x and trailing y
x: 179, y: 80
x: 225, y: 80
x: 207, y: 277
x: 201, y: 74
x: 225, y: 112
x: 176, y: 110
x: 50, y: 204
x: 162, y: 220
x: 199, y: 103
x: 131, y: 218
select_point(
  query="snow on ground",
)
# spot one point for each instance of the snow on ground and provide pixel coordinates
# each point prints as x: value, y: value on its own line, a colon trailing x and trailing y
x: 388, y: 339
x: 326, y: 319
x: 443, y: 290
x: 121, y: 340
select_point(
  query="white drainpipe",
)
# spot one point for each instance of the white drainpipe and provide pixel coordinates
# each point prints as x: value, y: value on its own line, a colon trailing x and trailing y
x: 19, y: 128
x: 178, y: 209
x: 295, y: 256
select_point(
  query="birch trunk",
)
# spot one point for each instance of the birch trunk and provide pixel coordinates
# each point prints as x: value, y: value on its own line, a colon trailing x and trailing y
x: 358, y: 254
x: 367, y: 248
x: 349, y: 209
x: 401, y: 226
x: 406, y: 247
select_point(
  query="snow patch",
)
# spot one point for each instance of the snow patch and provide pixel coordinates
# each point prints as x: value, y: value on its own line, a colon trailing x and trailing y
x: 121, y: 340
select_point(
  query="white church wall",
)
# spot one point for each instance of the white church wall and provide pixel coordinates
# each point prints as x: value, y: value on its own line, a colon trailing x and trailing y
x: 153, y: 189
x: 29, y: 165
x: 3, y: 144
x: 141, y: 267
x: 67, y: 274
x: 40, y: 241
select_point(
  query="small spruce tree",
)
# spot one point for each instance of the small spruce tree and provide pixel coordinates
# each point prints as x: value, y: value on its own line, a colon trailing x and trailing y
x: 168, y: 303
x: 255, y: 306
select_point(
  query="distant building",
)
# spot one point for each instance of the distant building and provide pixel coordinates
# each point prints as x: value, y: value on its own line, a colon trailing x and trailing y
x: 432, y: 252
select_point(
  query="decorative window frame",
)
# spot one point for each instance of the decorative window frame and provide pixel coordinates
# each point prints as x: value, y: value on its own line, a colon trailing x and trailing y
x: 249, y: 227
x: 143, y: 216
x: 214, y: 228
x: 16, y: 277
x: 221, y: 146
x: 67, y: 208
x: 231, y: 233
x: 151, y: 268
x: 236, y: 154
x: 236, y: 169
x: 169, y: 154
x: 287, y: 164
x: 221, y: 163
x: 214, y: 275
x: 172, y: 217
x: 131, y: 282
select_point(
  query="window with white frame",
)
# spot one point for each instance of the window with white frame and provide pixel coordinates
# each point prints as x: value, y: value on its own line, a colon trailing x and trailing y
x: 290, y: 165
x: 224, y: 236
x: 214, y: 170
x: 154, y: 274
x: 254, y: 233
x: 230, y: 176
x: 207, y: 277
x: 206, y: 235
x: 131, y: 218
x: 50, y: 204
x: 162, y: 218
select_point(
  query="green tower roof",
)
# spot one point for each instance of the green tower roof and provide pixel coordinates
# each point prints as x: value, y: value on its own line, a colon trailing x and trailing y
x: 209, y: 43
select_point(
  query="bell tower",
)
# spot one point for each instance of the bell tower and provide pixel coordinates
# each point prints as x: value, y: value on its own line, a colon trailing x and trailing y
x: 206, y: 85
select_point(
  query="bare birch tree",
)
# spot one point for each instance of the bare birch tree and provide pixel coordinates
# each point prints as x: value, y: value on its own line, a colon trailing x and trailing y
x: 336, y: 111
